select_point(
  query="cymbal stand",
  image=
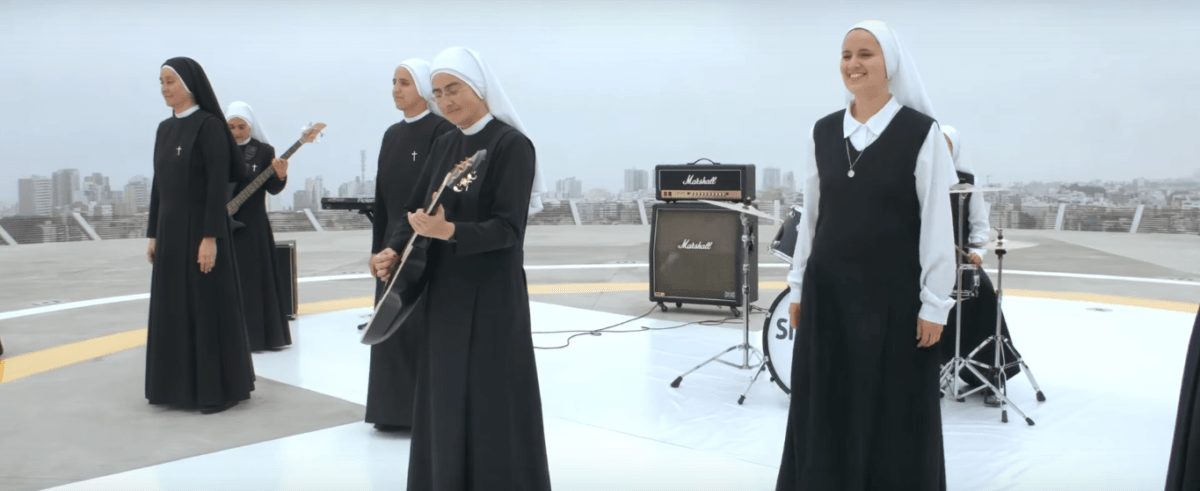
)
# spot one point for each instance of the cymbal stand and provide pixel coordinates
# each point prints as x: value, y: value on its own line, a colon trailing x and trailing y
x: 952, y: 368
x: 996, y: 371
x: 747, y: 239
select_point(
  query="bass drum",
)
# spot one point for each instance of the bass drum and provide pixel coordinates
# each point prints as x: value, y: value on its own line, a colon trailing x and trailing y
x: 778, y: 342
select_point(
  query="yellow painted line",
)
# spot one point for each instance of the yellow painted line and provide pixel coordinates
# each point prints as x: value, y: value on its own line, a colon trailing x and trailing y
x: 28, y: 364
x: 19, y: 367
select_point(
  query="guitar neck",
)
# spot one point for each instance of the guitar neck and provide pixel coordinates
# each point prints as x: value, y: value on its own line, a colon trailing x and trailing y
x: 258, y: 182
x: 292, y: 149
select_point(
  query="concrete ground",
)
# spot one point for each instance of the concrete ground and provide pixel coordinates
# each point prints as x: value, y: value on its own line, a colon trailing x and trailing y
x: 91, y: 419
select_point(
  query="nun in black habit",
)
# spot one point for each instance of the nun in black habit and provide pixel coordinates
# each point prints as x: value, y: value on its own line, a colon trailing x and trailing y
x: 478, y: 416
x: 254, y: 243
x: 874, y: 268
x: 197, y: 352
x: 1183, y: 472
x: 393, y: 376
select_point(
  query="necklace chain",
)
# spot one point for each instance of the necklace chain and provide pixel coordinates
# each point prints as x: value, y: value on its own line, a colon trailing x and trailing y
x: 852, y: 162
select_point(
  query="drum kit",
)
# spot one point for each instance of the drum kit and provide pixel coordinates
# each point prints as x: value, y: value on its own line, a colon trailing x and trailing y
x: 779, y: 337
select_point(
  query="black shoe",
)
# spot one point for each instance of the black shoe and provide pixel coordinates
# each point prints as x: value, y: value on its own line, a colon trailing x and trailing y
x: 217, y: 408
x: 391, y: 428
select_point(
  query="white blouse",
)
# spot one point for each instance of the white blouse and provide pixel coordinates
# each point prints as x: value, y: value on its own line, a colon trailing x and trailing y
x: 934, y: 176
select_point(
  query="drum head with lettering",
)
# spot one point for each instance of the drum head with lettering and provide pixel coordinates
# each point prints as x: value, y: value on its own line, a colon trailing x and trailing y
x: 778, y: 339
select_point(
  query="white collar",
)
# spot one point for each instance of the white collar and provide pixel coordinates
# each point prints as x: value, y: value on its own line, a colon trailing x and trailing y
x: 416, y: 118
x: 876, y: 124
x: 243, y: 143
x: 478, y: 126
x: 188, y: 112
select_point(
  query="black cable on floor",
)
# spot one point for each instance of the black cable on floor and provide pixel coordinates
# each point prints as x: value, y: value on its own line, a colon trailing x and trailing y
x: 606, y: 330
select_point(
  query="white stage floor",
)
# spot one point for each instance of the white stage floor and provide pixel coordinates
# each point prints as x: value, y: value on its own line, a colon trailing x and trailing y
x: 614, y: 423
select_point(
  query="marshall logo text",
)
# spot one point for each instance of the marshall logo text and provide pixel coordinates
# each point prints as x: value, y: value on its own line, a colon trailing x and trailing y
x: 688, y: 244
x: 692, y: 181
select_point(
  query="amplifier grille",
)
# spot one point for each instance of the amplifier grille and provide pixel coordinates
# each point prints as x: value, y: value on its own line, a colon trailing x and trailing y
x: 696, y: 254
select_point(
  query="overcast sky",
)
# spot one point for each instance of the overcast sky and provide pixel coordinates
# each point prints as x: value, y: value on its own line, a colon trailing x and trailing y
x: 1053, y: 90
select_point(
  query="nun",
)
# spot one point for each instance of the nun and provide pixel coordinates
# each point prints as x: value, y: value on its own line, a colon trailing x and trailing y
x: 1183, y: 470
x: 979, y: 313
x: 393, y: 374
x: 254, y: 243
x: 865, y: 411
x: 197, y: 350
x: 478, y: 417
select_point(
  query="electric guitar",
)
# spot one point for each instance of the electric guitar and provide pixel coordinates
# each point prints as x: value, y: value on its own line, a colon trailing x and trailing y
x: 407, y: 278
x: 310, y: 134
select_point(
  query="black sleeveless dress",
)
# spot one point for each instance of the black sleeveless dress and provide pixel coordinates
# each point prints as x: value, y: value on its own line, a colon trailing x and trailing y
x: 865, y: 411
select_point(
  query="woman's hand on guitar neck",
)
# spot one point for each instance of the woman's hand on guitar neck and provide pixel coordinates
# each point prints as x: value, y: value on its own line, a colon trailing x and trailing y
x: 434, y: 225
x: 280, y: 166
x: 382, y: 262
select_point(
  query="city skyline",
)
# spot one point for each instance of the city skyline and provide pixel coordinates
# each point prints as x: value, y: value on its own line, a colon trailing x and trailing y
x: 1024, y: 119
x: 70, y: 190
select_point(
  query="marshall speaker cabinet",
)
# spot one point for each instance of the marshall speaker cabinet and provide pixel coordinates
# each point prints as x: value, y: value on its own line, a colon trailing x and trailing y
x: 285, y: 270
x: 716, y: 182
x: 696, y: 255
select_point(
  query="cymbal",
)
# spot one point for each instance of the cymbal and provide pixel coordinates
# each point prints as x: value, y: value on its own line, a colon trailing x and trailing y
x: 736, y: 207
x: 1004, y: 244
x: 967, y: 188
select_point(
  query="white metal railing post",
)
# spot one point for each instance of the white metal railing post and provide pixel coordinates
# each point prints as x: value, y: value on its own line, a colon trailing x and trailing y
x: 1062, y: 212
x: 87, y: 228
x: 1137, y: 219
x: 313, y: 219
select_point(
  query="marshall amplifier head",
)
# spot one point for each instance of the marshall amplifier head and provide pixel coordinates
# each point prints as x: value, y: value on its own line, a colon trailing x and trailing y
x: 717, y: 182
x: 696, y: 255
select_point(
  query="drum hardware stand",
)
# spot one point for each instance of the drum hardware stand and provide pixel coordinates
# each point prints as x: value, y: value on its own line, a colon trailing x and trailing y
x: 747, y: 238
x: 997, y: 369
x: 951, y: 369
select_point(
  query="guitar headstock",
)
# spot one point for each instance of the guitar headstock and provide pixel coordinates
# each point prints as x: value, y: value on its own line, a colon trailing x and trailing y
x: 312, y: 133
x: 463, y: 174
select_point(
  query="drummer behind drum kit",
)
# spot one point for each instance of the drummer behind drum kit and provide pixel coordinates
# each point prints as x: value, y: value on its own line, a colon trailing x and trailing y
x: 779, y: 337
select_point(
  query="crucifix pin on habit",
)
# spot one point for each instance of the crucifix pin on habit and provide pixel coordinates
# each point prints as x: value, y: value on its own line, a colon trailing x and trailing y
x: 177, y: 150
x: 414, y: 155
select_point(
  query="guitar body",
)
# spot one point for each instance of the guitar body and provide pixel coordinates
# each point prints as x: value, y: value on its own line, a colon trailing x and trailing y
x: 409, y: 277
x: 405, y: 289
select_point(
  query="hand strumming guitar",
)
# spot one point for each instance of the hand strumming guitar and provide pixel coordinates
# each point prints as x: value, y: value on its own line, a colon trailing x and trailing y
x: 382, y: 262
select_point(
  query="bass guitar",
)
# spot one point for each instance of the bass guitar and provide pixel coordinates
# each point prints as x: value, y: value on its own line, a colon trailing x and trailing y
x: 309, y: 134
x: 407, y: 278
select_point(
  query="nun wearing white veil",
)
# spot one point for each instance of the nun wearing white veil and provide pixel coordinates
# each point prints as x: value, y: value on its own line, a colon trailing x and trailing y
x: 392, y: 381
x: 874, y: 275
x: 979, y: 314
x: 254, y: 243
x: 478, y: 412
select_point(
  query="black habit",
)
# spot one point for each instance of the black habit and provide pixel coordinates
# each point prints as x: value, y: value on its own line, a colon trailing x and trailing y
x: 393, y: 376
x: 865, y: 411
x: 254, y: 244
x: 197, y: 352
x: 978, y: 314
x: 478, y: 414
x: 1183, y: 473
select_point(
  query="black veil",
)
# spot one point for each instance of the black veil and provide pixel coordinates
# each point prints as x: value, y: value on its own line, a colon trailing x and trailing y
x: 197, y: 83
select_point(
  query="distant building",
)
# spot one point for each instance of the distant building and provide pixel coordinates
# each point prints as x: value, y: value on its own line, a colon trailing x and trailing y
x: 636, y: 180
x: 569, y: 188
x: 36, y: 195
x: 771, y: 179
x: 137, y: 195
x: 67, y: 189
